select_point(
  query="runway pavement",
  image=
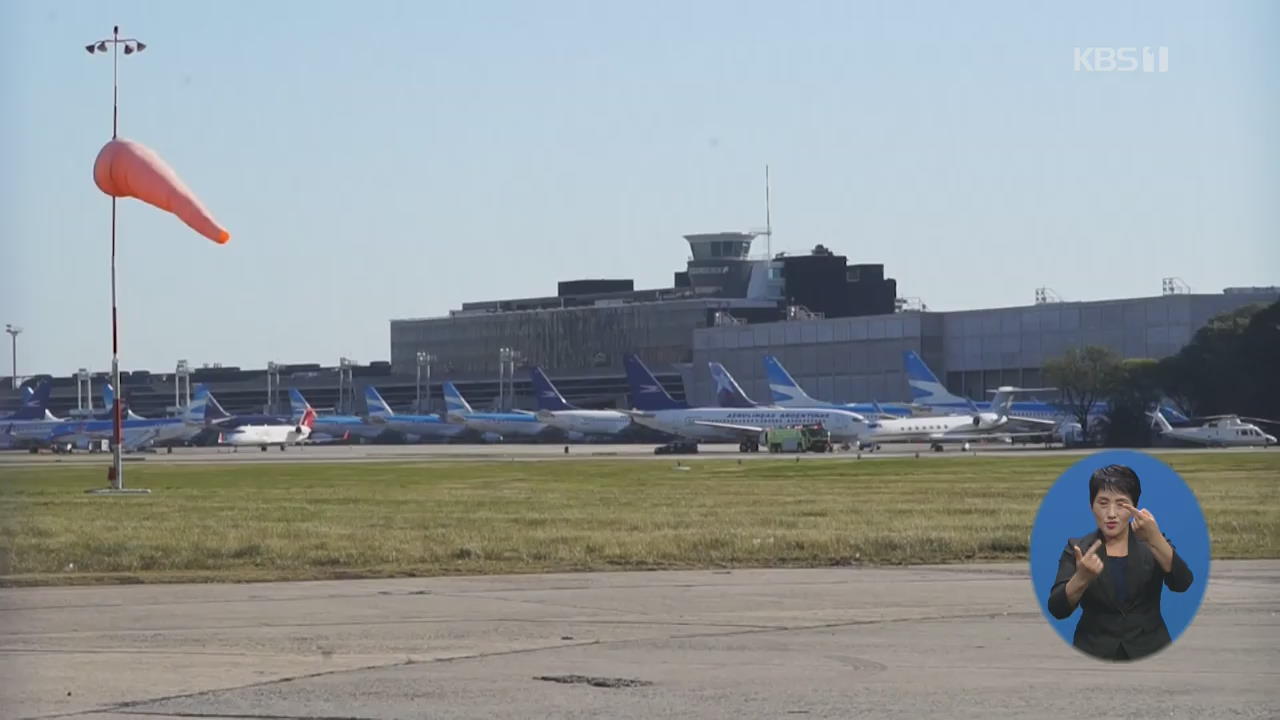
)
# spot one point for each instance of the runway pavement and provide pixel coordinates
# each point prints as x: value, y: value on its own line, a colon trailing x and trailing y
x: 456, y: 453
x: 946, y: 641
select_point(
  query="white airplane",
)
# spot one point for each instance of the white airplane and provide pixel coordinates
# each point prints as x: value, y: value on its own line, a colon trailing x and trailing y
x: 994, y: 423
x: 1220, y: 431
x: 575, y: 422
x: 655, y: 408
x: 266, y: 435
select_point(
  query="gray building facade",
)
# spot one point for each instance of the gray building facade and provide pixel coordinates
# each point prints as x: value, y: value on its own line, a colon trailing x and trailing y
x: 860, y: 358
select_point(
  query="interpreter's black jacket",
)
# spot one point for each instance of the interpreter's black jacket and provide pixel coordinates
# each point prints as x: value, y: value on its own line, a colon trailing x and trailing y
x: 1109, y: 629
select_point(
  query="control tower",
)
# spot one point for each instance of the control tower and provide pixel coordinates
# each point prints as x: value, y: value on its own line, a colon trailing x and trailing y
x: 721, y: 264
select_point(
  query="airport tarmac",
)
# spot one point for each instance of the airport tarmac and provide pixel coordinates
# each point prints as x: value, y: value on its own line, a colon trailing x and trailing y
x: 961, y: 641
x: 507, y: 452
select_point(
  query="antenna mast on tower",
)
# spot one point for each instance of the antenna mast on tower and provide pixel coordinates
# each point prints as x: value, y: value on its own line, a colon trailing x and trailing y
x: 768, y: 217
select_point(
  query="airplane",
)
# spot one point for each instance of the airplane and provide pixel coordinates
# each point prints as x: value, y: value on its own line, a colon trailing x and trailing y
x: 926, y: 390
x: 382, y: 417
x: 266, y: 435
x: 1220, y: 431
x: 655, y: 408
x: 516, y: 423
x: 996, y: 422
x: 330, y: 427
x: 976, y: 425
x: 574, y: 422
x: 135, y: 433
x: 787, y: 392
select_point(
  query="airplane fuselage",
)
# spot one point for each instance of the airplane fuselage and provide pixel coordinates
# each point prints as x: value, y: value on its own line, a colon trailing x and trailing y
x: 263, y: 435
x: 692, y: 423
x: 587, y: 422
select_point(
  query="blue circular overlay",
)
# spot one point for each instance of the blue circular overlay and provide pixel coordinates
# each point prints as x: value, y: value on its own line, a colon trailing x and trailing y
x: 1064, y: 513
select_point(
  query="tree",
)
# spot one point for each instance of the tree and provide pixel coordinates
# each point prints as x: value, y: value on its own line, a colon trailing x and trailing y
x: 1084, y: 376
x: 1229, y: 365
x: 1136, y: 391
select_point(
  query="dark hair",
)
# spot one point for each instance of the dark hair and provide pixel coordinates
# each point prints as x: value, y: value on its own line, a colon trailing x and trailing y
x: 1120, y: 478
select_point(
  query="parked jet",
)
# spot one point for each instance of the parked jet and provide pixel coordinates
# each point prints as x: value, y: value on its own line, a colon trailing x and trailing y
x: 267, y: 435
x: 787, y: 392
x: 574, y: 422
x: 655, y: 408
x: 1220, y: 431
x: 330, y: 427
x: 926, y: 390
x: 502, y: 424
x: 381, y: 416
x: 975, y: 425
x: 136, y: 432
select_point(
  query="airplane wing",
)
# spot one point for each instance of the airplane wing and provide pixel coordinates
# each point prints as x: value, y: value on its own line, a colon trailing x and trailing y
x: 1033, y: 422
x: 745, y: 430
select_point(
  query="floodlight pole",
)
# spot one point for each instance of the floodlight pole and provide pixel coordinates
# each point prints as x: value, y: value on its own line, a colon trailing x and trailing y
x: 14, y: 331
x: 116, y: 475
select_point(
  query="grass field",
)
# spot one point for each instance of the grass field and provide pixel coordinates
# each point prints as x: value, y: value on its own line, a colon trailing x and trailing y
x: 276, y: 521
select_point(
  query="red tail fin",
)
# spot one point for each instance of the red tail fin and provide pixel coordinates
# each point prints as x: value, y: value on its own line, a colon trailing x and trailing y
x: 308, y: 418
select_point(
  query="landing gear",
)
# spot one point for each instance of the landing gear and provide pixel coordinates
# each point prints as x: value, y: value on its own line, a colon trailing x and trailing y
x: 936, y: 447
x: 281, y: 448
x: 264, y: 448
x: 749, y: 446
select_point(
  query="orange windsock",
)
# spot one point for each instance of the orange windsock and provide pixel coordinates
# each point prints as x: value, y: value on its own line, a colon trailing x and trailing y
x: 125, y: 168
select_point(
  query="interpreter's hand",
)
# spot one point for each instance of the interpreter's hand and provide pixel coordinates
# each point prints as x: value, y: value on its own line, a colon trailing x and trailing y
x: 1144, y: 525
x: 1088, y: 564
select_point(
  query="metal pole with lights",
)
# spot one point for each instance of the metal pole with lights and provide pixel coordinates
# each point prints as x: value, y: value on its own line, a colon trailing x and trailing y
x: 424, y: 360
x: 131, y: 45
x: 14, y: 331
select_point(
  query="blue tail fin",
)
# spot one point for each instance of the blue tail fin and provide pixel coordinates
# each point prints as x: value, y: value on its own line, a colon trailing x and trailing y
x: 728, y: 393
x: 925, y: 388
x: 34, y: 406
x: 377, y: 407
x: 549, y: 398
x: 298, y: 405
x: 453, y: 400
x: 784, y: 389
x: 646, y: 392
x: 108, y: 396
x: 198, y: 411
x: 213, y: 410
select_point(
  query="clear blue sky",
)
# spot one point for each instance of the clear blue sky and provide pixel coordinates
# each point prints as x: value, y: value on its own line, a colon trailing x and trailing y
x: 394, y: 159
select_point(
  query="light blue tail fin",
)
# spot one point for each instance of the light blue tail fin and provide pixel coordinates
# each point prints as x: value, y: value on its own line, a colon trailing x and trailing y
x: 925, y: 387
x: 453, y: 400
x: 199, y: 410
x: 784, y: 389
x: 298, y: 405
x: 377, y: 407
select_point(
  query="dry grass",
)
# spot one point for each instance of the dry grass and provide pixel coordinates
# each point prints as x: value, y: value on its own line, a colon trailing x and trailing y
x: 260, y: 522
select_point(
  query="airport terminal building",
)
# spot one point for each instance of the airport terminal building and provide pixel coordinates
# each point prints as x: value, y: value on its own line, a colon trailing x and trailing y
x: 840, y: 329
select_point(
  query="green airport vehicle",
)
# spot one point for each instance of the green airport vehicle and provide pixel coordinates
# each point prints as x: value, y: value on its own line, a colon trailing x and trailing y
x: 797, y: 439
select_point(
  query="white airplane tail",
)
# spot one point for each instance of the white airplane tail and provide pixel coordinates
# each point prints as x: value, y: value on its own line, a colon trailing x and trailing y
x: 1158, y: 419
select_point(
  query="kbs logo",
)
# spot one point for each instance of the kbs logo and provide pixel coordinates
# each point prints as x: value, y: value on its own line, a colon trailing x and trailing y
x: 1123, y: 59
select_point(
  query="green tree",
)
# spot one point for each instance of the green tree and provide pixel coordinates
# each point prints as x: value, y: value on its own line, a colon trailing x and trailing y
x: 1136, y: 391
x: 1084, y: 376
x: 1229, y: 366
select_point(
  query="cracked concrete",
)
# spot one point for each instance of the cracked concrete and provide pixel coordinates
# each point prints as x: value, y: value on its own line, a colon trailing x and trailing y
x: 953, y: 641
